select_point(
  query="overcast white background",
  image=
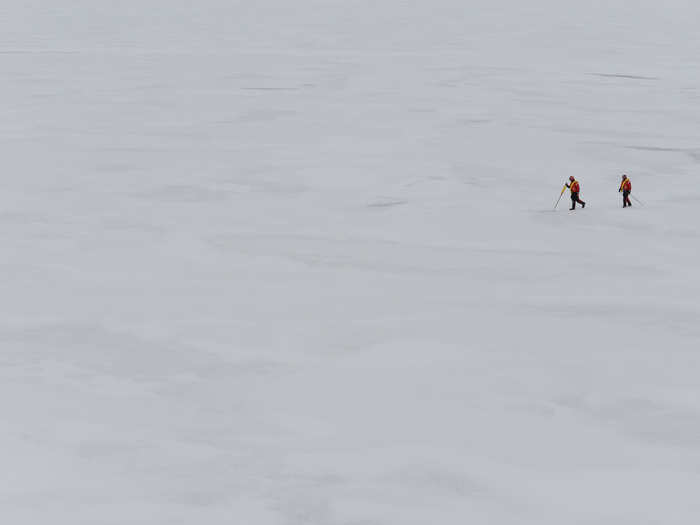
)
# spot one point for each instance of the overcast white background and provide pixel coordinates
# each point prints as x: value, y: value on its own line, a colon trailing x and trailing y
x: 295, y: 263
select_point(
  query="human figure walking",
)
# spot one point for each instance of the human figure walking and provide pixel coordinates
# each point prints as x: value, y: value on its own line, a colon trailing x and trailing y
x: 575, y: 188
x: 626, y: 189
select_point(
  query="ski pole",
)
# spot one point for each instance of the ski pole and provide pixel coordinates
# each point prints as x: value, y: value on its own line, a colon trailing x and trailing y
x: 562, y: 193
x: 636, y: 199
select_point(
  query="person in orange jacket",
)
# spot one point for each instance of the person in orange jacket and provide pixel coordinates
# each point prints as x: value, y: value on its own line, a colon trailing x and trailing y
x: 575, y: 188
x: 626, y: 189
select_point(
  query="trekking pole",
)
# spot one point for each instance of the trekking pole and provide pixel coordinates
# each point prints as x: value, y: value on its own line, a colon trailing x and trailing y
x: 562, y: 193
x: 636, y: 199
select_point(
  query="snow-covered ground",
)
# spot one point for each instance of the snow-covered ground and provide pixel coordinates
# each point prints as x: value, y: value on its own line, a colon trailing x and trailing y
x: 295, y: 263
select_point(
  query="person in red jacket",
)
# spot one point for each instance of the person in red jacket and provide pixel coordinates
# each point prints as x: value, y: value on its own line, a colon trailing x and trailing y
x: 575, y: 188
x: 626, y: 189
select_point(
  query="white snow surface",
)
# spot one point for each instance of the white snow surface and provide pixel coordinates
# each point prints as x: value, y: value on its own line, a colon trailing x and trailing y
x: 295, y: 263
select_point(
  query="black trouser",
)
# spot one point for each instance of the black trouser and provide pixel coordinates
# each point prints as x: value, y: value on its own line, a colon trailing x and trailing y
x: 626, y: 199
x: 575, y: 199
